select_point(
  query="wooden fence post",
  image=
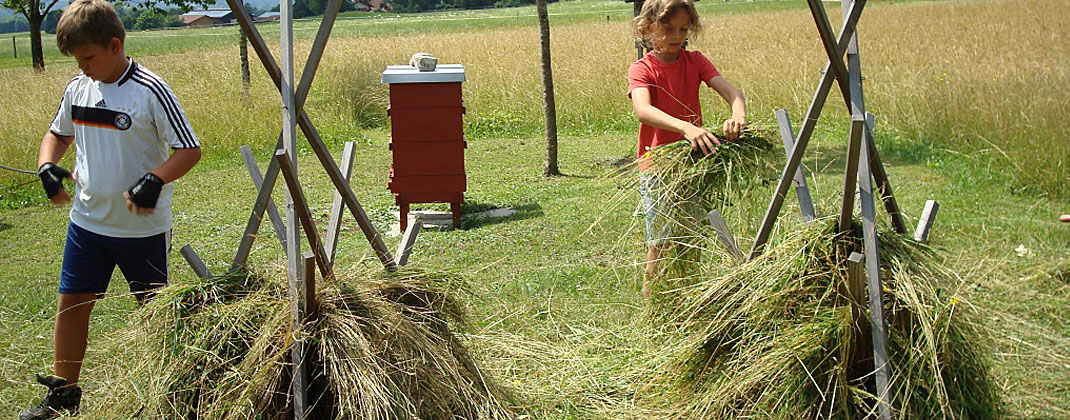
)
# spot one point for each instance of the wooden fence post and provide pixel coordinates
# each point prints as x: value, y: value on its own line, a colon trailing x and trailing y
x: 14, y: 47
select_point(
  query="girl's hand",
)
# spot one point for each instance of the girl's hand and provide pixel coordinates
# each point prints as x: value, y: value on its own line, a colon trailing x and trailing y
x: 733, y: 127
x: 701, y: 139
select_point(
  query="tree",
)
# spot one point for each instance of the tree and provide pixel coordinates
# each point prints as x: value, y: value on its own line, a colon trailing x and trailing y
x: 36, y: 10
x: 550, y: 168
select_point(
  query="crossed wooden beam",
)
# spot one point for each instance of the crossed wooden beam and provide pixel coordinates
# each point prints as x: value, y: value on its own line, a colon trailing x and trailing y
x: 319, y: 148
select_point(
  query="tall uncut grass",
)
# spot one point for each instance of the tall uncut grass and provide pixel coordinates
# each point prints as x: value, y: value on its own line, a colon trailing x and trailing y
x: 983, y: 79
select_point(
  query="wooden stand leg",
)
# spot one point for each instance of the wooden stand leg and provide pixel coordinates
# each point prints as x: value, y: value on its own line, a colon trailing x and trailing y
x: 403, y: 209
x: 455, y: 208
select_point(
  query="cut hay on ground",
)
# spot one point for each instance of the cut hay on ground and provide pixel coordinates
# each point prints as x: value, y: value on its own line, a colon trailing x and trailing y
x: 773, y: 338
x: 381, y: 348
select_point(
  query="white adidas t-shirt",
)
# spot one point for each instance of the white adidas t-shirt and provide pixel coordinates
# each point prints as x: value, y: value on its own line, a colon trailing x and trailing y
x: 121, y: 131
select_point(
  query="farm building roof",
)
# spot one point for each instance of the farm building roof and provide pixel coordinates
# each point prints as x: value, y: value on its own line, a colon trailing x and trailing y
x: 212, y: 13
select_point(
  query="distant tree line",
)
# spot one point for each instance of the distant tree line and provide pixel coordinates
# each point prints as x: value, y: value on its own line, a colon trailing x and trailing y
x: 133, y: 19
x: 409, y: 6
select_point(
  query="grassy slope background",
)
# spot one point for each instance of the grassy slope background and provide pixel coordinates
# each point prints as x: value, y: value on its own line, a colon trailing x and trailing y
x: 967, y: 114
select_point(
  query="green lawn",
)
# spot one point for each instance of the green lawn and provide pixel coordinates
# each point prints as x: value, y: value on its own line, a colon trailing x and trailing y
x: 554, y: 302
x: 552, y: 292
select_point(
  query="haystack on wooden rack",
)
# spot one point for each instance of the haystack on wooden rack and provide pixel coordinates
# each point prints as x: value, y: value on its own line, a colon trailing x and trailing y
x: 863, y: 165
x: 298, y: 215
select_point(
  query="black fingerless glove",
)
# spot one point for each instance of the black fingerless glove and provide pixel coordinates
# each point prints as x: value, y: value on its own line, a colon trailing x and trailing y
x: 52, y: 177
x: 147, y: 190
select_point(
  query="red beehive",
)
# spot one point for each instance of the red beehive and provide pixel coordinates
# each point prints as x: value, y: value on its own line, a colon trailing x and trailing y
x: 426, y: 137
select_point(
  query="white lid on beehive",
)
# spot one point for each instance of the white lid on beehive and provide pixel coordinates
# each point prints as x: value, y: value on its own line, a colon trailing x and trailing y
x: 408, y: 74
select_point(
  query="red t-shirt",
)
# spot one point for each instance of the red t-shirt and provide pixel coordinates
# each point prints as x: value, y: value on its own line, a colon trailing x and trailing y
x: 673, y: 89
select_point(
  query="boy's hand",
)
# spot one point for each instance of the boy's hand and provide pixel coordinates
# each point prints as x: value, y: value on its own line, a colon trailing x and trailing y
x: 733, y: 127
x: 141, y: 198
x: 701, y: 139
x: 52, y: 177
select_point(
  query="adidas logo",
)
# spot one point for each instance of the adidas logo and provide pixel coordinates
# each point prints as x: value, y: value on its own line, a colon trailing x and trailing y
x: 101, y: 104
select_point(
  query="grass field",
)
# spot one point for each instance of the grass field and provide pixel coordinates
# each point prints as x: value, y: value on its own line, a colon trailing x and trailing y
x: 969, y: 96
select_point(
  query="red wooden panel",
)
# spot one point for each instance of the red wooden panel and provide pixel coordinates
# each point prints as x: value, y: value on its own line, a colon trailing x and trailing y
x: 429, y: 197
x: 419, y: 95
x: 428, y: 157
x: 408, y: 185
x: 427, y: 124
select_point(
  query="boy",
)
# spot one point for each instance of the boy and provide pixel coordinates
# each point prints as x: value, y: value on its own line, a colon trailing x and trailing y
x: 121, y: 118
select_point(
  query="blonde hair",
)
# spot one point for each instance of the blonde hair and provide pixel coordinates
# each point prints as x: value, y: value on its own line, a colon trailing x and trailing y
x: 88, y: 22
x: 655, y: 15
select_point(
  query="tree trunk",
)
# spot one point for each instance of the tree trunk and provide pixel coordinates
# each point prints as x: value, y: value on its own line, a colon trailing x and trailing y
x: 243, y: 51
x: 550, y: 167
x: 36, y: 51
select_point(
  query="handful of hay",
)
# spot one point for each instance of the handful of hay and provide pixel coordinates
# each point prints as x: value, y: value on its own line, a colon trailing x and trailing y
x: 380, y: 348
x: 774, y: 337
x: 689, y: 176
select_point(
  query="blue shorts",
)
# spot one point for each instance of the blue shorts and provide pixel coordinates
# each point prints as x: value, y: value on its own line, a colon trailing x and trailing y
x: 659, y: 211
x: 89, y: 260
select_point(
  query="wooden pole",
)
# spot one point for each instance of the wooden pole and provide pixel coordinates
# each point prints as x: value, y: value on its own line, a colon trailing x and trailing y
x: 195, y: 262
x: 252, y: 227
x: 407, y: 242
x: 311, y: 307
x: 847, y: 205
x: 873, y: 275
x: 293, y: 244
x: 880, y: 177
x: 303, y: 121
x: 334, y: 227
x: 928, y: 216
x: 304, y: 214
x: 15, y: 47
x: 258, y: 181
x: 802, y: 191
x: 807, y: 129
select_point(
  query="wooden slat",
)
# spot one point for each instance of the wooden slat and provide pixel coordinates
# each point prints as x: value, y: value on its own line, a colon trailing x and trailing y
x: 407, y: 242
x: 880, y: 177
x: 928, y: 217
x: 802, y: 191
x: 334, y: 227
x: 258, y: 180
x: 314, y: 55
x: 348, y: 197
x: 807, y: 129
x: 311, y: 306
x: 288, y: 161
x: 304, y: 215
x: 856, y: 289
x: 876, y: 307
x: 724, y: 234
x: 195, y: 262
x: 850, y: 176
x: 253, y: 225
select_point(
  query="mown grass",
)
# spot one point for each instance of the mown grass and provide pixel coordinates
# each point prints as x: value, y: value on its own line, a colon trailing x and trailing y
x: 553, y: 292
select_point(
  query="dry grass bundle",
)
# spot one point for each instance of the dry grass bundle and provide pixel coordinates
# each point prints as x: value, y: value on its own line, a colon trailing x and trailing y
x: 774, y: 337
x: 381, y: 348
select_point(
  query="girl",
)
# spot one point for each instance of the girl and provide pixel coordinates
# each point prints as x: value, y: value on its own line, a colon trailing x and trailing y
x: 663, y: 86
